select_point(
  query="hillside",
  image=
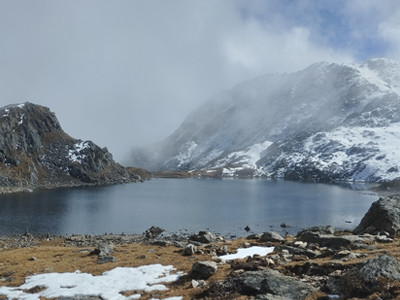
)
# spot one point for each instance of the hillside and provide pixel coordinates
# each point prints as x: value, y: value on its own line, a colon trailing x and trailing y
x: 36, y: 153
x: 328, y: 122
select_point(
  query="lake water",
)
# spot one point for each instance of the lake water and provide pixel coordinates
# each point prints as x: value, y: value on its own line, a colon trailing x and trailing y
x: 224, y: 206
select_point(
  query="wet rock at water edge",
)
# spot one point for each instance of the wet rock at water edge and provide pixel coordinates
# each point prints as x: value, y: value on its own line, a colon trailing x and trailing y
x: 203, y: 269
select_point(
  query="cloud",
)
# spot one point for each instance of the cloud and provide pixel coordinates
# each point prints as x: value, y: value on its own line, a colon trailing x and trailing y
x: 127, y: 73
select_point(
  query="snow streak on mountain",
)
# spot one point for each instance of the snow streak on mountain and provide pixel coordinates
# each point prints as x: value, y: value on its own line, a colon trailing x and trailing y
x: 328, y: 122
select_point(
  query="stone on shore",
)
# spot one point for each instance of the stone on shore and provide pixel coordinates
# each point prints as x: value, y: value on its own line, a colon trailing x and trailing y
x: 271, y: 236
x: 382, y: 216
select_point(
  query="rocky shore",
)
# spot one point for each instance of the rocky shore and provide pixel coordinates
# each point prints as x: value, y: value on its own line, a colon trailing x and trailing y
x: 317, y: 263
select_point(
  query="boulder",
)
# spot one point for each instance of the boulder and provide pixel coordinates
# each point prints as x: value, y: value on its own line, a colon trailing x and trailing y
x: 153, y: 232
x: 333, y: 241
x: 203, y: 269
x: 383, y: 215
x: 203, y: 237
x: 271, y: 282
x: 189, y: 250
x: 271, y: 236
x: 372, y: 276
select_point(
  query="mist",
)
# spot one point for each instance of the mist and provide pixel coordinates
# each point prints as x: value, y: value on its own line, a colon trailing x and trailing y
x: 126, y: 73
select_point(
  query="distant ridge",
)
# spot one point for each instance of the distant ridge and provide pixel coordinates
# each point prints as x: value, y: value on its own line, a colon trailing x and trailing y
x: 328, y: 122
x: 36, y: 153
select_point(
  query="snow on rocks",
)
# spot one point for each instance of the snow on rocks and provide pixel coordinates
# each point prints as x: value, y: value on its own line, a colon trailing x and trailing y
x: 75, y: 154
x: 108, y: 286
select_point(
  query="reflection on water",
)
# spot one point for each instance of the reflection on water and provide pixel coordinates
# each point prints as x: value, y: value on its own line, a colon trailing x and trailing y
x: 224, y: 206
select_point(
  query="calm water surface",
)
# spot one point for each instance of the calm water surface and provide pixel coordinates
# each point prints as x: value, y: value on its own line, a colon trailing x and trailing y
x: 223, y: 206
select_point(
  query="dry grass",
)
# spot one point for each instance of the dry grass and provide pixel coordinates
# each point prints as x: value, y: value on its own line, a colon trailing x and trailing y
x: 54, y: 256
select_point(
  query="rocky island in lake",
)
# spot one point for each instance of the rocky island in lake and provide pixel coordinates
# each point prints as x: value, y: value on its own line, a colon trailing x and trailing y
x: 36, y: 153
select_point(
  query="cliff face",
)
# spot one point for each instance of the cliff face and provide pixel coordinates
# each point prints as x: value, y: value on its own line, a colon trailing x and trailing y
x: 36, y: 153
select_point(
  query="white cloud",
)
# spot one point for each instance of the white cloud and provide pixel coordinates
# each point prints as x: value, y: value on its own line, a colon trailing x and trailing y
x: 128, y: 72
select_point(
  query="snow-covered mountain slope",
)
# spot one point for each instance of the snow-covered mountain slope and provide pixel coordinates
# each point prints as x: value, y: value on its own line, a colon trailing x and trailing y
x: 327, y: 122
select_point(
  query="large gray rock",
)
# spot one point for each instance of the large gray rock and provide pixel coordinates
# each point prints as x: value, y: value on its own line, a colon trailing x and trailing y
x: 383, y: 215
x: 372, y: 276
x: 203, y: 269
x: 203, y: 237
x: 271, y: 236
x: 274, y: 283
x: 332, y: 241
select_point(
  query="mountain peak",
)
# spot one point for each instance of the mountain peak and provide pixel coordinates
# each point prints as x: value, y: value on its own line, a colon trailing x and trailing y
x: 327, y: 122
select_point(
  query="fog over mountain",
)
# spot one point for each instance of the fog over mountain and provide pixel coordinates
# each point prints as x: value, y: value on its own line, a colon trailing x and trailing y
x: 327, y: 122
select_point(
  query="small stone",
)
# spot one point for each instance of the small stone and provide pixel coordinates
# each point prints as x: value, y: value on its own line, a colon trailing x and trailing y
x: 105, y: 259
x: 203, y: 269
x: 32, y: 258
x: 189, y: 250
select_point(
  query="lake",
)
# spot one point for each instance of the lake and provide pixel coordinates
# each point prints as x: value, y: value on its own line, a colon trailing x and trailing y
x: 224, y: 206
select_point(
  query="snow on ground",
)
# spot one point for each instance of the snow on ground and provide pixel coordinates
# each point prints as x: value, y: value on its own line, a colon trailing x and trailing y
x: 245, y: 252
x: 75, y: 154
x: 108, y: 286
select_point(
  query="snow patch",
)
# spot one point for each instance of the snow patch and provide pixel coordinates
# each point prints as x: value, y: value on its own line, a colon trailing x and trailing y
x: 108, y: 286
x: 75, y: 155
x: 245, y: 252
x: 246, y: 159
x: 21, y: 120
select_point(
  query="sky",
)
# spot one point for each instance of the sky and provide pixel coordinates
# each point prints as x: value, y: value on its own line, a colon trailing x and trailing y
x: 125, y: 73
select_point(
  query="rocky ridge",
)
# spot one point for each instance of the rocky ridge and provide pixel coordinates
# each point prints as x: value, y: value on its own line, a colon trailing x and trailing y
x: 36, y: 153
x: 328, y: 122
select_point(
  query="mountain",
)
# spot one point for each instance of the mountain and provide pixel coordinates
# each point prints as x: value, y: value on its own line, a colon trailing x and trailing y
x: 327, y: 122
x: 36, y: 153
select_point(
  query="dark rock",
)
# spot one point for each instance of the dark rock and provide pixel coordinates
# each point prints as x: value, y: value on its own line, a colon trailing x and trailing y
x: 103, y: 259
x: 372, y: 276
x: 383, y: 215
x: 332, y: 241
x: 189, y: 250
x: 102, y: 250
x: 247, y: 228
x: 298, y: 251
x: 318, y: 229
x: 153, y: 232
x: 255, y: 236
x: 203, y: 269
x: 272, y: 282
x: 203, y: 237
x: 271, y: 236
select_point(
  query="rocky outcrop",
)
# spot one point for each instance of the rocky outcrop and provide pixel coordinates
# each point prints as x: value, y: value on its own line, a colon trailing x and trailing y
x: 36, y: 153
x: 382, y: 216
x: 273, y: 283
x: 374, y: 275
